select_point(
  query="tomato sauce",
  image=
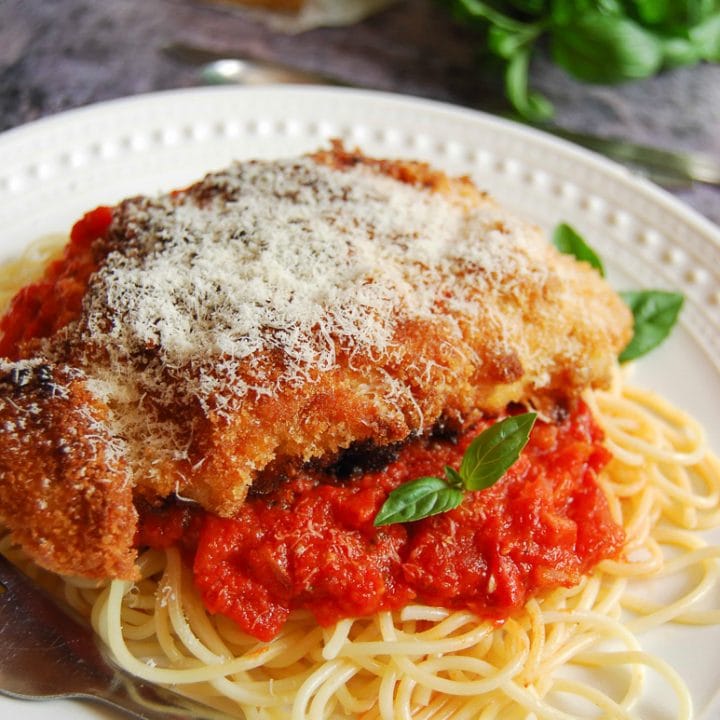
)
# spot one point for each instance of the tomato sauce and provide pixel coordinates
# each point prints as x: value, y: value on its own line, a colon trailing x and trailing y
x: 312, y: 544
x: 45, y: 306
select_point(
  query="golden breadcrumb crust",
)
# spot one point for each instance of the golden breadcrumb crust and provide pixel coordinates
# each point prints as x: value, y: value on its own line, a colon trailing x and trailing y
x: 64, y: 496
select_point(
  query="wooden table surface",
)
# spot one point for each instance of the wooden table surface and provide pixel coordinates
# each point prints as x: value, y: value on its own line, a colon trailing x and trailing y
x: 61, y: 54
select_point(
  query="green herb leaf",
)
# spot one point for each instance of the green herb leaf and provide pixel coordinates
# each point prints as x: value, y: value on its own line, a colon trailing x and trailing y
x: 418, y: 499
x: 655, y: 312
x: 603, y: 48
x: 506, y: 43
x: 567, y: 240
x: 599, y: 41
x: 610, y: 7
x: 562, y: 12
x: 652, y: 12
x: 477, y: 10
x: 706, y: 37
x: 490, y: 454
x: 485, y: 461
x: 695, y: 11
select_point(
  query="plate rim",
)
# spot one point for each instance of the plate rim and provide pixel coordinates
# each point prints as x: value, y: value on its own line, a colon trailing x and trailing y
x: 594, y: 159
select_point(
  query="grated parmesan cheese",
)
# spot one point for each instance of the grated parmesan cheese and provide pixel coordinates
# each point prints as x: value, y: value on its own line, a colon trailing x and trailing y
x: 289, y: 257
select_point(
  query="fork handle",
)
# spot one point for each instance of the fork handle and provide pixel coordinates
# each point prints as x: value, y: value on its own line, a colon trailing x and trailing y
x: 47, y: 653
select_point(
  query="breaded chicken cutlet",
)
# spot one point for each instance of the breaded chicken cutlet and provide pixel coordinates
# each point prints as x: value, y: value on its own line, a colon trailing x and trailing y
x: 275, y: 314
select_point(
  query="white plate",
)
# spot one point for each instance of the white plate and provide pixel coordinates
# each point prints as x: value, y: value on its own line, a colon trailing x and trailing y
x: 53, y: 170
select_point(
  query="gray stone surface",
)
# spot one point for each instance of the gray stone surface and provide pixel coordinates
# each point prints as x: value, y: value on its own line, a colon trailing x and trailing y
x: 60, y: 54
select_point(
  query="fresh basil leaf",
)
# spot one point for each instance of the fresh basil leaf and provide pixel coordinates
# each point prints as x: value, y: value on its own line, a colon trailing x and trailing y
x: 680, y: 15
x: 418, y: 499
x: 485, y: 461
x: 610, y: 7
x: 563, y: 11
x: 600, y: 41
x: 706, y: 37
x: 492, y: 452
x: 606, y: 48
x: 697, y: 11
x: 652, y: 12
x: 655, y: 312
x: 567, y: 240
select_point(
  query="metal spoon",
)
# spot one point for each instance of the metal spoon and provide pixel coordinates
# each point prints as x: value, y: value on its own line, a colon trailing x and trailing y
x: 251, y: 72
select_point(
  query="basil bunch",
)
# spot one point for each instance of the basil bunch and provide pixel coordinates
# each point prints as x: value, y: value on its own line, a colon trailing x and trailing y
x: 597, y: 41
x: 486, y: 460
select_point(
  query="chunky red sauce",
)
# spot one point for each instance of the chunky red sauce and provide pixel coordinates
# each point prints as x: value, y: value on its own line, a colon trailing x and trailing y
x: 312, y: 544
x: 43, y: 307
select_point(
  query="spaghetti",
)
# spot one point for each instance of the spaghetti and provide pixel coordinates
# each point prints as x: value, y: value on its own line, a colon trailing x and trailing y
x: 28, y: 266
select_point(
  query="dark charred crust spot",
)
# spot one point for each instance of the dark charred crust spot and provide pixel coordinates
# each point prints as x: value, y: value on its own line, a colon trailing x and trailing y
x: 18, y: 377
x: 23, y: 379
x: 446, y: 429
x: 511, y: 368
x: 270, y: 479
x: 362, y: 457
x: 505, y: 368
x: 44, y: 375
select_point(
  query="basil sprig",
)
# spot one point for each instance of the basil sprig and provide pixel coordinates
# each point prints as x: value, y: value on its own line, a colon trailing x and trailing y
x: 486, y: 460
x: 655, y: 312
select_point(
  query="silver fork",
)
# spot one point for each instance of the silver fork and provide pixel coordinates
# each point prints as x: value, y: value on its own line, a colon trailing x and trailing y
x: 45, y: 653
